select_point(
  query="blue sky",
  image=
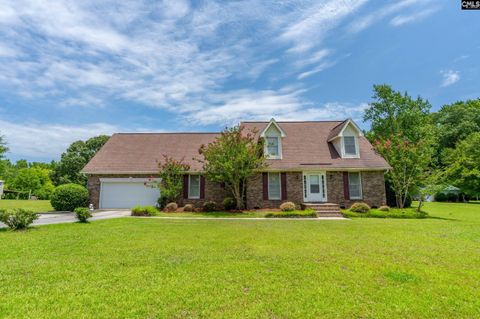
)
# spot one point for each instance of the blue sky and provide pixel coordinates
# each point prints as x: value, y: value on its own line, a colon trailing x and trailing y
x: 74, y: 69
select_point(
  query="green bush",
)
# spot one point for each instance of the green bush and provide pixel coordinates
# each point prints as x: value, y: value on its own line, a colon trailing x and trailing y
x: 360, y: 208
x: 162, y: 202
x: 188, y: 208
x: 293, y: 214
x: 68, y: 197
x: 392, y: 213
x: 229, y: 203
x: 287, y: 207
x: 171, y: 207
x: 384, y: 208
x: 209, y: 206
x: 144, y: 211
x: 83, y: 214
x: 17, y: 218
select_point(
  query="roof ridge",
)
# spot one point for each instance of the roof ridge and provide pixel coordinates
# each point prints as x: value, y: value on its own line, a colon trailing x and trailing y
x: 320, y: 121
x: 159, y: 133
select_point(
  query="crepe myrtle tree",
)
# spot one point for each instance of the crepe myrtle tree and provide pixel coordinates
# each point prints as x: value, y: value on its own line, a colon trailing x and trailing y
x: 171, y: 173
x: 232, y: 158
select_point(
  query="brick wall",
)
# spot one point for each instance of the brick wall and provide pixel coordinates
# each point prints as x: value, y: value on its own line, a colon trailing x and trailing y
x: 373, y: 189
x: 213, y: 191
x: 255, y: 191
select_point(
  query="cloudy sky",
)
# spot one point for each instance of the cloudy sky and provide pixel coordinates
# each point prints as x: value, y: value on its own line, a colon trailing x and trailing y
x: 74, y: 69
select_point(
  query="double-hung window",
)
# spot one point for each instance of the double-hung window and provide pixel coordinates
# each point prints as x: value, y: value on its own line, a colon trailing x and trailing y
x: 350, y: 146
x: 355, y: 185
x: 274, y: 186
x: 193, y: 186
x: 273, y: 146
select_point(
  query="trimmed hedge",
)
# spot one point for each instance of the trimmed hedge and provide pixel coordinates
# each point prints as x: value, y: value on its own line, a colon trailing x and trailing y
x: 68, y: 197
x: 403, y: 214
x: 293, y: 214
x: 229, y: 203
x: 144, y: 211
x: 171, y: 207
x: 287, y: 207
x: 360, y: 208
x: 188, y: 208
x: 209, y: 206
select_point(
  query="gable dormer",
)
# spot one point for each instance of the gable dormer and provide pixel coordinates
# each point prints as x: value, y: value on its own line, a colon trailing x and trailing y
x: 345, y: 139
x: 273, y: 135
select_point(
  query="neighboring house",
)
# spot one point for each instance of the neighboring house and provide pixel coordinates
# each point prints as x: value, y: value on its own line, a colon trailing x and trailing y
x: 308, y: 162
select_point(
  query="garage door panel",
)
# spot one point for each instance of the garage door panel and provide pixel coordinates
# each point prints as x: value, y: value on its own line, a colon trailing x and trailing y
x: 127, y: 194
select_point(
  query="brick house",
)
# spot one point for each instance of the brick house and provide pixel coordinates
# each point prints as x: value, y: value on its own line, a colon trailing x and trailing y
x: 308, y: 162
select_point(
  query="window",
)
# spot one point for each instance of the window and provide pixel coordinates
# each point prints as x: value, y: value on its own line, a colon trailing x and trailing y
x: 355, y: 185
x: 350, y: 146
x: 272, y: 146
x: 193, y: 186
x: 274, y: 186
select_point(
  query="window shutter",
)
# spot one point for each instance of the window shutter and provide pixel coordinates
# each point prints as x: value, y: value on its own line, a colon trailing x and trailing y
x: 284, y: 185
x: 265, y: 185
x: 202, y: 186
x: 185, y: 186
x: 346, y: 191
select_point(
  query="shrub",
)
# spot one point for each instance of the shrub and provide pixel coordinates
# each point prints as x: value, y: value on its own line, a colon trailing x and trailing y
x: 293, y: 214
x: 360, y: 208
x: 69, y: 196
x: 171, y: 207
x: 209, y: 206
x: 83, y: 214
x: 17, y: 218
x: 384, y: 208
x: 188, y: 208
x: 287, y: 207
x: 408, y: 213
x: 229, y: 203
x: 144, y: 211
x: 162, y: 202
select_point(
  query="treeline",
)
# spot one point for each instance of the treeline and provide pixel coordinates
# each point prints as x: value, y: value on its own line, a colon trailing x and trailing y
x: 40, y: 179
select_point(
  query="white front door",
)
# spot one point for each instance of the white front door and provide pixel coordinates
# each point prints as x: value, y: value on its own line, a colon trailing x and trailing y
x: 315, y: 187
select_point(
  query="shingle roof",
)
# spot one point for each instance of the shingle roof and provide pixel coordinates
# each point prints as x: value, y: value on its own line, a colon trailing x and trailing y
x: 305, y: 147
x: 140, y: 152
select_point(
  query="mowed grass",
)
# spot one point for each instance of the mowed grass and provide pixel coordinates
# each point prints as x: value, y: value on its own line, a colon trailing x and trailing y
x: 38, y: 206
x: 156, y: 268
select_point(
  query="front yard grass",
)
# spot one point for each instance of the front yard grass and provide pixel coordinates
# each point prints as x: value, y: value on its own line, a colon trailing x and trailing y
x: 37, y: 206
x: 157, y: 268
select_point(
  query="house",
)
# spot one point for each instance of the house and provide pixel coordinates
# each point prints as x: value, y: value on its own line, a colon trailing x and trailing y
x: 308, y: 162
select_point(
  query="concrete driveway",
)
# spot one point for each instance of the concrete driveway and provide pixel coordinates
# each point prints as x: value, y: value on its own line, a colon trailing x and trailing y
x: 59, y: 218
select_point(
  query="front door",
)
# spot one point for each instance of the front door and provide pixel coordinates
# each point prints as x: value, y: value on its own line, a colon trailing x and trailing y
x: 315, y: 189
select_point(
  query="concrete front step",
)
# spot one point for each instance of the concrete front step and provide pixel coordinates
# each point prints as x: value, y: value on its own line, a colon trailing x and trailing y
x: 324, y: 209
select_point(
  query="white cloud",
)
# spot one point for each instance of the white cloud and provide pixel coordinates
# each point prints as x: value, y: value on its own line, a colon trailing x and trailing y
x: 315, y: 70
x: 48, y: 140
x: 401, y: 20
x: 450, y: 77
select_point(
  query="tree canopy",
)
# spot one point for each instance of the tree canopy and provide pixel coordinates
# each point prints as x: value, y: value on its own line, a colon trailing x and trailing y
x: 3, y: 147
x: 75, y: 158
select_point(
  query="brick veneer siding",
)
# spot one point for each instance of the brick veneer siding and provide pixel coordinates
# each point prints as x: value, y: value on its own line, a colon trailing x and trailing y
x: 213, y: 191
x: 373, y: 189
x: 255, y: 191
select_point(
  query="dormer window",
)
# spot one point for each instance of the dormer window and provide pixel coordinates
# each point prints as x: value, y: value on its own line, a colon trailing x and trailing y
x: 273, y: 135
x: 350, y: 145
x: 272, y: 146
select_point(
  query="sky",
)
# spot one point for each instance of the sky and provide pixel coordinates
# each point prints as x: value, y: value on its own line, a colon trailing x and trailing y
x: 71, y: 70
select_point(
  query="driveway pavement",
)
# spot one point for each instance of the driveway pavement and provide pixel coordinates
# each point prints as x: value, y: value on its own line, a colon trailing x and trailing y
x: 59, y: 218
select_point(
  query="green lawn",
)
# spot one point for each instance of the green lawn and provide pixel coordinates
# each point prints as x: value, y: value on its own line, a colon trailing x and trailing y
x: 39, y: 206
x: 156, y: 268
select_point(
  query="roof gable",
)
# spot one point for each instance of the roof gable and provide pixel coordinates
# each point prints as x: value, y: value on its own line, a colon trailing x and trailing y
x: 338, y: 131
x: 274, y: 124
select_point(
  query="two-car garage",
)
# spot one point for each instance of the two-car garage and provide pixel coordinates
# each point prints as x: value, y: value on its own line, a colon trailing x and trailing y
x: 127, y: 192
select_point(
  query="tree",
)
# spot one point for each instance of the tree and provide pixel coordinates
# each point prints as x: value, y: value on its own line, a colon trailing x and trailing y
x: 3, y: 146
x: 463, y: 165
x: 454, y: 123
x: 75, y: 158
x: 401, y: 131
x: 34, y: 180
x: 171, y: 183
x: 232, y: 158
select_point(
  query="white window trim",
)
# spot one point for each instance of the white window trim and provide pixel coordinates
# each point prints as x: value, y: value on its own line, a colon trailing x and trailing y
x: 190, y: 184
x: 280, y: 184
x: 265, y: 147
x: 361, y: 186
x: 357, y: 149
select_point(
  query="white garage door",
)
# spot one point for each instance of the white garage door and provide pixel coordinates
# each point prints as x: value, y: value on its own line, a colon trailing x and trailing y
x: 126, y: 194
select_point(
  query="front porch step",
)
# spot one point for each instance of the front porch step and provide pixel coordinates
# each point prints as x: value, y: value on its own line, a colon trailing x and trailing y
x: 324, y: 209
